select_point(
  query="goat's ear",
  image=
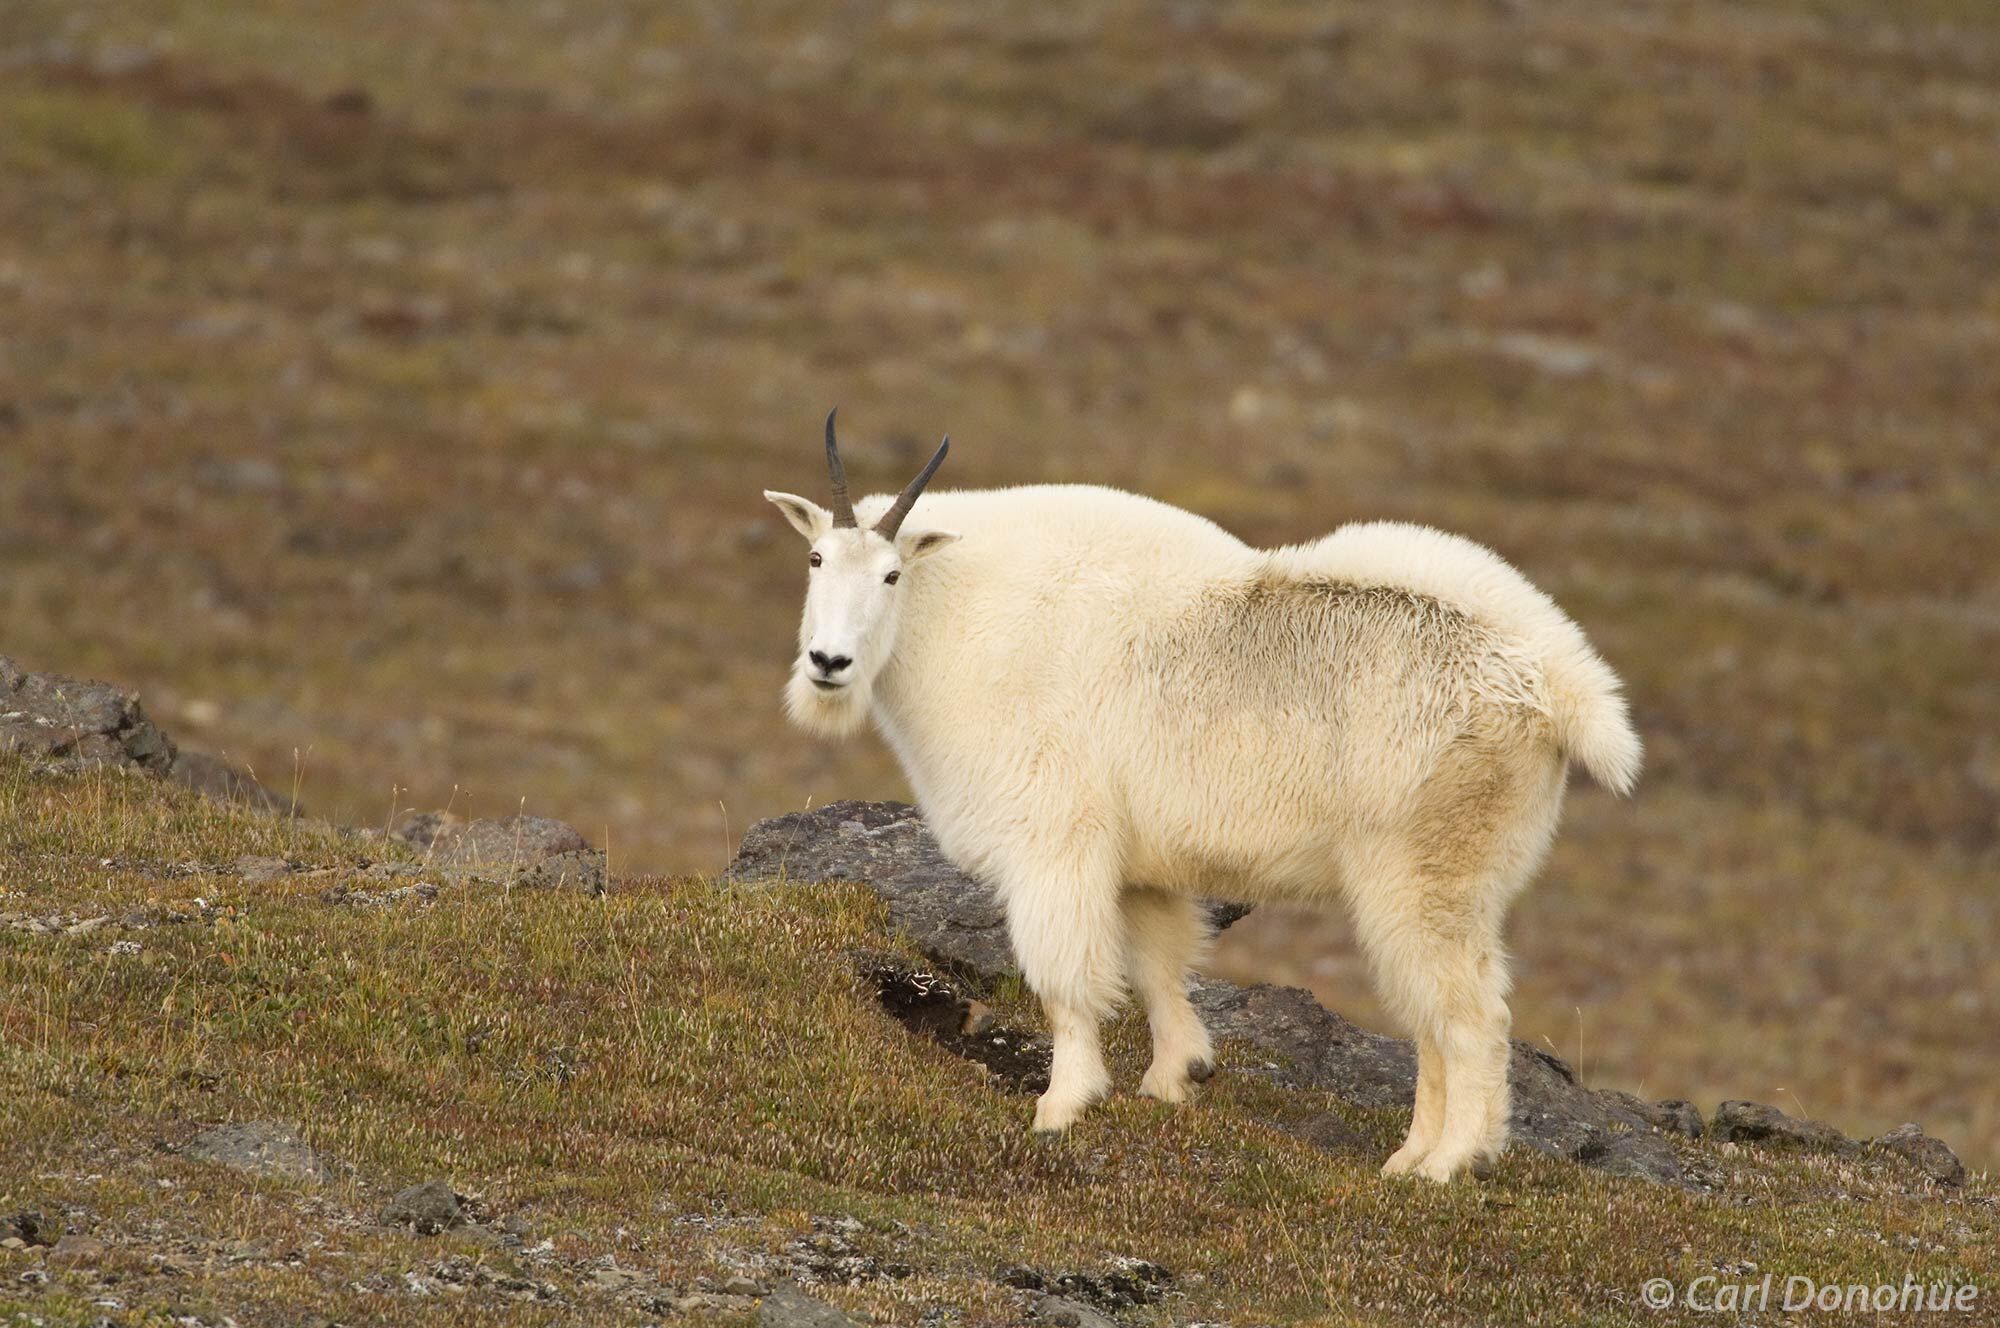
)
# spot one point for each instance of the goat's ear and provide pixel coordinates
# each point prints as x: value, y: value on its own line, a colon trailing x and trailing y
x: 915, y: 544
x: 808, y: 518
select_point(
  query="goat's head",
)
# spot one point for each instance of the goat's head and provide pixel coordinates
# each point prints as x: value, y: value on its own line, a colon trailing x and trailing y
x: 853, y: 605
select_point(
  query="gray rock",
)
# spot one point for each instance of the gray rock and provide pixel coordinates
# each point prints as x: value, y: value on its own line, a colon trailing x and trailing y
x: 260, y: 1148
x: 788, y: 1307
x: 427, y: 1208
x: 1065, y: 1313
x: 69, y: 723
x: 1767, y: 1127
x: 1675, y: 1115
x: 1313, y: 1047
x: 885, y: 845
x: 1295, y: 1040
x: 256, y: 870
x: 528, y: 851
x: 1932, y: 1157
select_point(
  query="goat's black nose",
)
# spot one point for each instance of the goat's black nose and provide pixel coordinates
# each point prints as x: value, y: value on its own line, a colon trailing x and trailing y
x: 828, y: 664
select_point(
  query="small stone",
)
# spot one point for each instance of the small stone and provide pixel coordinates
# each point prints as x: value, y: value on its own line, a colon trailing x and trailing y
x: 1932, y: 1157
x: 979, y: 1018
x: 13, y: 1243
x: 1066, y: 1313
x: 260, y: 1148
x: 785, y: 1306
x: 426, y: 1209
x: 1675, y: 1116
x: 740, y: 1285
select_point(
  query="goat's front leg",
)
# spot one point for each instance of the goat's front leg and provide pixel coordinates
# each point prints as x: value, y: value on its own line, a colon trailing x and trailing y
x: 1068, y: 935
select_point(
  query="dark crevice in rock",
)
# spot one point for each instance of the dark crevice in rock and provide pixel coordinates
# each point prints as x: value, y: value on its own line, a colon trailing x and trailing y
x: 932, y: 1006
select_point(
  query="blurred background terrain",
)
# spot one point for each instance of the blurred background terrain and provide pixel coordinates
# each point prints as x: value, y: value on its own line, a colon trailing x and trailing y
x: 386, y: 389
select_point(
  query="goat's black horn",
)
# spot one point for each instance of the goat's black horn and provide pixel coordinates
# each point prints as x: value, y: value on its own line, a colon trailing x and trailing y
x: 892, y: 520
x: 843, y: 510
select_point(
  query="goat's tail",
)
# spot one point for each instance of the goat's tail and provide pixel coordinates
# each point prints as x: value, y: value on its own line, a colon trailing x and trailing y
x: 1587, y: 703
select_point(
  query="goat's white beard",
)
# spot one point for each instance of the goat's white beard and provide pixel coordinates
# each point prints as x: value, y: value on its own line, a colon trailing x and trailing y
x: 827, y: 714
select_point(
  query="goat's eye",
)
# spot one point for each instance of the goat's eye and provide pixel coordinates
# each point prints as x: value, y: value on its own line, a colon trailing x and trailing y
x: 893, y: 578
x: 814, y: 560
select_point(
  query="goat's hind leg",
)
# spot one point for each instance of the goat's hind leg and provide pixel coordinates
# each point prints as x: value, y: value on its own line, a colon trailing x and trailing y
x: 1439, y: 965
x: 1164, y: 933
x: 1069, y: 936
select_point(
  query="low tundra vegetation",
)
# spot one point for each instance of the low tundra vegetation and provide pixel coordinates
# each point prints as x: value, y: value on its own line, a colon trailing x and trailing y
x: 680, y: 1083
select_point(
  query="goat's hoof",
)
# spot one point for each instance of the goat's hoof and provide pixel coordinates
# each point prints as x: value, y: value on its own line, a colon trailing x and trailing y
x: 1054, y: 1118
x: 1047, y: 1138
x: 1401, y: 1163
x: 1441, y: 1169
x: 1201, y: 1071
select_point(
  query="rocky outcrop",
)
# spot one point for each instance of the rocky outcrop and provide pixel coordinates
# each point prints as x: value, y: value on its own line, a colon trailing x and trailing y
x: 1767, y: 1127
x: 951, y: 917
x: 69, y: 723
x: 1291, y: 1038
x: 1931, y: 1158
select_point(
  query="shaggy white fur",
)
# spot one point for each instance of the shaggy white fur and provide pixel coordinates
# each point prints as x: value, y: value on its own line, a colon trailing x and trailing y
x: 1108, y: 707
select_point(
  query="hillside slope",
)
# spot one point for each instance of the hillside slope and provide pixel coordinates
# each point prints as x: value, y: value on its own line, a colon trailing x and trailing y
x: 667, y: 1100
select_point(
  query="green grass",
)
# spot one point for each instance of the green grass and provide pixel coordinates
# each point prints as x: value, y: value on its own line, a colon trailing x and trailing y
x: 607, y: 1069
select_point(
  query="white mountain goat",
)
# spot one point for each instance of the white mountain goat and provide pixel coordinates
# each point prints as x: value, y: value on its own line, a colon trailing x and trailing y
x: 1109, y: 707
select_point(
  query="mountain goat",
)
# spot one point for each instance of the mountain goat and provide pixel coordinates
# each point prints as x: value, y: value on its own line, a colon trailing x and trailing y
x: 1108, y: 706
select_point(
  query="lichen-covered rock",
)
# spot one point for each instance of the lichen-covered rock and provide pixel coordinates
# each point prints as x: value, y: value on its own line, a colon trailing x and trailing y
x: 69, y: 723
x: 426, y: 1209
x: 950, y: 915
x: 1932, y: 1157
x: 260, y: 1148
x: 1675, y: 1115
x: 788, y: 1307
x: 1061, y: 1312
x: 1767, y: 1127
